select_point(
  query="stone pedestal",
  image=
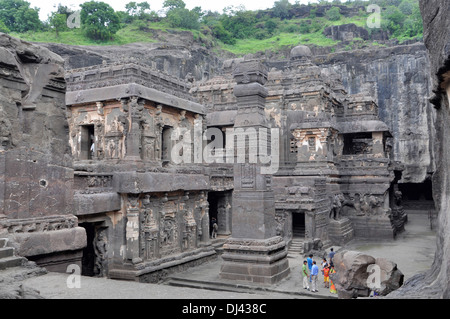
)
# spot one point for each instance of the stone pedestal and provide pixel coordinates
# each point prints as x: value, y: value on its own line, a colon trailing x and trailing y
x: 372, y: 227
x: 261, y: 261
x: 340, y: 231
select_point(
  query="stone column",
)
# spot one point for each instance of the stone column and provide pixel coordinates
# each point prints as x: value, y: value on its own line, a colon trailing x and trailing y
x: 132, y: 228
x: 133, y: 138
x: 253, y: 252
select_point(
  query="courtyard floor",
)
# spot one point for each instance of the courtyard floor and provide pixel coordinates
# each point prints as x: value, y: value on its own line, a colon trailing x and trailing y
x: 413, y: 251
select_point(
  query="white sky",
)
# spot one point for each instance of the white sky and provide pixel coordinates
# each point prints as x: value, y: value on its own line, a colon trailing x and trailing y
x: 47, y: 6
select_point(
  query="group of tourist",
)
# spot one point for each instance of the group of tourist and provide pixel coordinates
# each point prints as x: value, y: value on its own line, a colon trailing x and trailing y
x: 310, y: 273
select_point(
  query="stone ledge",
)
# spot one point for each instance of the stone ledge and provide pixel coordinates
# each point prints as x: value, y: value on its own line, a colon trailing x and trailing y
x: 41, y: 243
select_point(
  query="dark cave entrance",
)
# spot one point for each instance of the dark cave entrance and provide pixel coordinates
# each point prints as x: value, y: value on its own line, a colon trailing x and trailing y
x: 88, y: 259
x: 415, y: 192
x: 298, y: 225
x: 417, y: 196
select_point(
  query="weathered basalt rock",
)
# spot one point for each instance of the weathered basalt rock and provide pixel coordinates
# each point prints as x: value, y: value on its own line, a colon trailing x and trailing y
x: 435, y: 283
x: 357, y: 274
x: 36, y: 175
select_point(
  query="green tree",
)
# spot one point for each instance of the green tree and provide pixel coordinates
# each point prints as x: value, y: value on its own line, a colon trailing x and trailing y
x: 174, y: 4
x: 58, y: 22
x: 18, y: 16
x: 393, y: 20
x: 281, y: 9
x: 240, y: 23
x: 98, y: 20
x: 184, y: 18
x: 138, y: 10
x: 179, y: 16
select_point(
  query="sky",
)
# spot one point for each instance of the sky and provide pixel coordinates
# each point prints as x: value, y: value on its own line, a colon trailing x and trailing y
x: 48, y: 6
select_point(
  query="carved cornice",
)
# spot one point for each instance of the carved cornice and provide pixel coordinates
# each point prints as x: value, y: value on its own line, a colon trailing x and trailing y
x: 114, y: 74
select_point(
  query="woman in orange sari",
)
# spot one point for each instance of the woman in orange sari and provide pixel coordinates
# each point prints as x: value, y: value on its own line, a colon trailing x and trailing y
x: 332, y: 287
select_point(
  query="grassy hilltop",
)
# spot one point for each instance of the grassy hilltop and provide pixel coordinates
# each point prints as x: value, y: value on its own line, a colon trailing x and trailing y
x: 236, y: 30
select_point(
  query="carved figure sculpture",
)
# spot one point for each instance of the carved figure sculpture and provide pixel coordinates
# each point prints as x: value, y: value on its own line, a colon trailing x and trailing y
x: 336, y: 208
x: 100, y: 247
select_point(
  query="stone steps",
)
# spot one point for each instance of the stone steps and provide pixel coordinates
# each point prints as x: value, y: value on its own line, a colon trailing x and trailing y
x: 235, y: 286
x: 198, y: 284
x: 10, y: 262
x: 7, y: 258
x: 6, y: 252
x: 296, y: 246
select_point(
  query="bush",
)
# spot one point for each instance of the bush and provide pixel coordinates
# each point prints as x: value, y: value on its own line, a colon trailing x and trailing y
x: 333, y: 14
x: 261, y: 35
x: 183, y: 18
x: 3, y: 27
x: 270, y: 26
x: 223, y: 35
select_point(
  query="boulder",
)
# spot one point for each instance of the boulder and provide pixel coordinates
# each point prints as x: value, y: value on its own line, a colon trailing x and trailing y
x: 357, y: 274
x: 391, y: 278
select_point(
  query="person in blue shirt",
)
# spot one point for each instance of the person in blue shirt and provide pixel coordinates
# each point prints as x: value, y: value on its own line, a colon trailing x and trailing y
x: 314, y: 275
x: 331, y: 255
x: 310, y: 263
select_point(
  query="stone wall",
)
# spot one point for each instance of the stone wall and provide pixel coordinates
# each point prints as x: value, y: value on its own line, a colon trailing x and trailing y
x: 397, y: 78
x: 435, y: 283
x: 36, y: 175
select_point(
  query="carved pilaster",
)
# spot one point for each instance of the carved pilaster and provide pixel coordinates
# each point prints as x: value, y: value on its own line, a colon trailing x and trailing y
x: 132, y: 228
x: 133, y: 138
x: 149, y: 232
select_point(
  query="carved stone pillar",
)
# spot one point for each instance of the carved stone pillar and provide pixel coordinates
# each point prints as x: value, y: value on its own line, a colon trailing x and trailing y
x: 148, y: 138
x: 150, y: 230
x: 204, y: 218
x: 132, y: 228
x: 254, y: 252
x: 133, y: 138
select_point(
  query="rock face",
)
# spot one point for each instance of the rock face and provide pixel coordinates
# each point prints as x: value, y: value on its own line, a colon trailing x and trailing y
x: 357, y: 274
x: 398, y: 79
x: 435, y: 283
x: 181, y: 59
x: 348, y: 32
x: 36, y: 175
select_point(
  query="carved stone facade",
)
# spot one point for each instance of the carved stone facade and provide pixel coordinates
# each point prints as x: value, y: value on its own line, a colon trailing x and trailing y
x: 334, y: 151
x: 139, y: 180
x: 129, y: 129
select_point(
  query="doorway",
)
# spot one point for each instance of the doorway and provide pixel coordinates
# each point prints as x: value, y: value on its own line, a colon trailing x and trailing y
x: 298, y: 225
x: 88, y: 259
x: 87, y: 142
x: 94, y: 260
x: 166, y: 144
x: 220, y: 209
